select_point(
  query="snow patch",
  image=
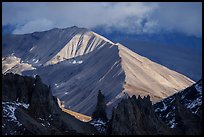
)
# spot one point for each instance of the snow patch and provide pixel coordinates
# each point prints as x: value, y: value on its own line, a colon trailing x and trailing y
x: 198, y: 88
x: 41, y: 119
x: 36, y: 61
x: 42, y: 124
x: 9, y: 110
x: 157, y: 109
x: 77, y: 62
x: 31, y: 49
x: 196, y: 102
x: 74, y: 62
x: 99, y: 125
x: 172, y: 123
x: 164, y: 108
x: 168, y: 115
x: 172, y: 100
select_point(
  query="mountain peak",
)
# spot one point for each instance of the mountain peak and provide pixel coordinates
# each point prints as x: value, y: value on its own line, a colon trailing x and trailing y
x: 40, y: 48
x: 77, y: 63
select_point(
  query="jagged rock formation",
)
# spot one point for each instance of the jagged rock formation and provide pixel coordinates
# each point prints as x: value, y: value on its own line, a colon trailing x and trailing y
x: 99, y: 116
x: 30, y: 108
x: 77, y: 62
x: 100, y: 111
x: 136, y: 117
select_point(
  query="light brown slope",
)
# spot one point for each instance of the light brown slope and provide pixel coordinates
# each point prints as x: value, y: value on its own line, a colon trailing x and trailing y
x: 146, y: 77
x: 14, y: 64
x: 80, y: 44
x: 79, y: 116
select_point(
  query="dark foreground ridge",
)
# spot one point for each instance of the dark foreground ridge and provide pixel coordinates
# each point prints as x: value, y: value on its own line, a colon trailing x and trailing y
x: 135, y: 116
x: 179, y: 114
x: 30, y: 108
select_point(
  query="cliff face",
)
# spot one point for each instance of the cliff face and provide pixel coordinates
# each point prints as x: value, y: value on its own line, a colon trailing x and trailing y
x: 30, y: 108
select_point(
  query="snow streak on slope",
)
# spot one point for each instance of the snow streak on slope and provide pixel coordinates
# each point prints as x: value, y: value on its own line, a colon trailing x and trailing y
x: 77, y: 85
x: 53, y: 46
x: 11, y: 123
x: 79, y: 45
x: 116, y: 71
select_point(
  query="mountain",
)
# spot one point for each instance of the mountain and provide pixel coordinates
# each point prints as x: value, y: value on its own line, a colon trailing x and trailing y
x: 184, y: 60
x: 77, y: 63
x: 50, y: 47
x: 176, y: 51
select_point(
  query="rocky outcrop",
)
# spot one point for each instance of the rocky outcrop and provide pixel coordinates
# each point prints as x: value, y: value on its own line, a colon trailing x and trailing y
x: 16, y: 87
x: 136, y: 116
x: 100, y: 111
x: 99, y: 116
x: 42, y: 114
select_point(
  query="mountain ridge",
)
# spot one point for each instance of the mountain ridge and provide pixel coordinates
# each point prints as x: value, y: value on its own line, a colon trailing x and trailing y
x: 90, y: 63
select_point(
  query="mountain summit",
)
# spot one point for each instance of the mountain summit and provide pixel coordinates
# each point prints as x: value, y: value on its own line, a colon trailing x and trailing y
x: 77, y: 63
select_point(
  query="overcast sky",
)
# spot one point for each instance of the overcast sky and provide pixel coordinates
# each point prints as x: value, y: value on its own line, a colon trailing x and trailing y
x: 129, y: 17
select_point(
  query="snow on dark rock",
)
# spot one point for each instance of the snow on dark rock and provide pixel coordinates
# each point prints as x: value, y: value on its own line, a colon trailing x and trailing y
x: 100, y: 125
x: 10, y: 122
x: 190, y: 97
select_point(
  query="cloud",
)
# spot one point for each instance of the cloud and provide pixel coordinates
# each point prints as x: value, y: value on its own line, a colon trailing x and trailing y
x: 184, y: 17
x: 133, y: 17
x: 32, y: 26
